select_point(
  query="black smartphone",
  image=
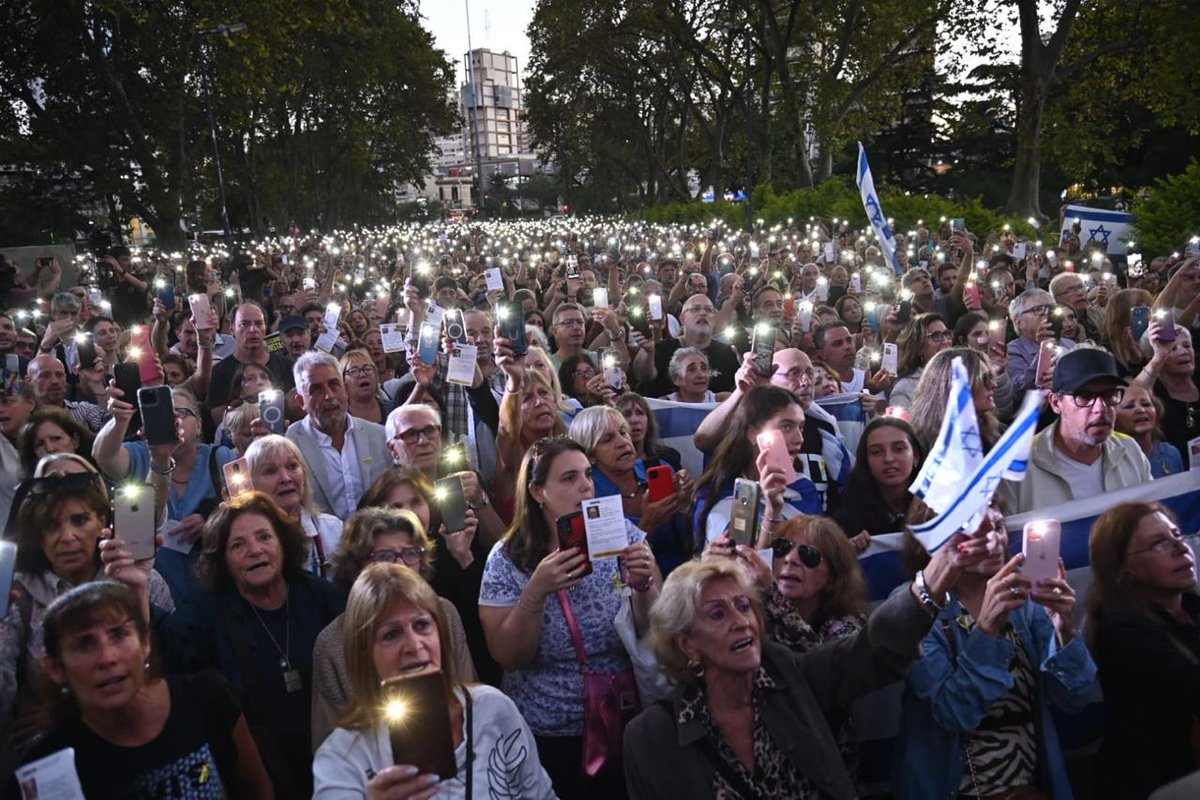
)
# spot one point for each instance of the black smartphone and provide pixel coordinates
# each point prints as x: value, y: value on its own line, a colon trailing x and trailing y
x: 904, y: 311
x: 1140, y: 321
x: 511, y: 323
x: 270, y: 410
x: 452, y: 502
x: 573, y: 533
x: 158, y: 414
x: 743, y: 525
x: 420, y: 275
x: 8, y: 569
x: 164, y: 290
x: 418, y: 720
x: 1055, y: 318
x: 764, y: 347
x: 85, y: 346
x: 128, y: 376
x: 456, y: 328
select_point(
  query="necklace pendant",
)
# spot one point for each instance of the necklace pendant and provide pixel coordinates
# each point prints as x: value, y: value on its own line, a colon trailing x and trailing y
x: 291, y: 681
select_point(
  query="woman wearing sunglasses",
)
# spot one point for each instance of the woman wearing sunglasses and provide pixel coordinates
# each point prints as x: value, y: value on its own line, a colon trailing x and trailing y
x: 814, y: 592
x: 61, y: 515
x: 923, y: 337
x: 374, y: 536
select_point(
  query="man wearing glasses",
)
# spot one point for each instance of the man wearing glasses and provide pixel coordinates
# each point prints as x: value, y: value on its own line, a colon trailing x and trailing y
x: 1029, y: 312
x: 1079, y: 455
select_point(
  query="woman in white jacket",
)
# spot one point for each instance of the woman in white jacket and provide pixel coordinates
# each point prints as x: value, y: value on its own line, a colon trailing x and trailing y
x: 394, y: 626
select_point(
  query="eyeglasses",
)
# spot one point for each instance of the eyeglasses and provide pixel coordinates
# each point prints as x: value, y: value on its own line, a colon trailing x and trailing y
x: 1040, y: 311
x: 410, y: 555
x: 360, y: 372
x: 1165, y: 546
x: 585, y: 373
x: 1075, y: 288
x: 940, y: 336
x: 182, y: 411
x: 1112, y: 397
x: 809, y: 556
x: 796, y: 374
x: 411, y: 435
x: 570, y: 323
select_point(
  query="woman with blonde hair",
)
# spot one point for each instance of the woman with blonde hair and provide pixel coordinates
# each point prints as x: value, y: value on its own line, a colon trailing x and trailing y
x: 278, y: 468
x: 1117, y: 334
x: 933, y: 390
x: 374, y: 536
x: 393, y: 626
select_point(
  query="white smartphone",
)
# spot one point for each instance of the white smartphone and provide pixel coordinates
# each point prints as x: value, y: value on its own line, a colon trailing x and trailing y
x: 600, y: 297
x: 133, y: 519
x: 201, y: 309
x: 856, y: 283
x: 654, y: 302
x: 1041, y: 544
x: 237, y: 477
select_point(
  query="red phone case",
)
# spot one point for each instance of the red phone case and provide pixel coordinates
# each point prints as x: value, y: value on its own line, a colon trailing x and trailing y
x: 660, y: 483
x: 572, y: 533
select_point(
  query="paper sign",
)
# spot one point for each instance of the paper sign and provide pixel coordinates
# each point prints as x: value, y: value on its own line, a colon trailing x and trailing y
x: 891, y: 358
x: 1018, y: 251
x: 1194, y: 453
x: 170, y: 539
x: 461, y: 366
x: 830, y: 254
x: 393, y: 337
x: 434, y: 313
x: 495, y: 279
x: 326, y: 341
x: 274, y: 342
x: 604, y: 522
x: 51, y: 778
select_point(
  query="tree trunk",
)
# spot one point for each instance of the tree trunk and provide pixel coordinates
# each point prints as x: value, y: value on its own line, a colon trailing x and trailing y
x: 1027, y: 171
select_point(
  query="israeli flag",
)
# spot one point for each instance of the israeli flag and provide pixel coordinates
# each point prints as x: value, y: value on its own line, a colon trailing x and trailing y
x: 958, y: 450
x: 866, y: 186
x: 1007, y: 460
x: 1099, y: 225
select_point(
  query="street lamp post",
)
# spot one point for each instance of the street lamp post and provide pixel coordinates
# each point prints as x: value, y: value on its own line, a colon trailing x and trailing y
x: 207, y: 80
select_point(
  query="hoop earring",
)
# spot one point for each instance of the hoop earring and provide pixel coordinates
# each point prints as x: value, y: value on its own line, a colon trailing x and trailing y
x: 696, y: 667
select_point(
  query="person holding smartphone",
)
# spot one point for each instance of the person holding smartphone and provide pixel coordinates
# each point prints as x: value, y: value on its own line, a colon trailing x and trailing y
x: 529, y: 582
x: 976, y: 717
x: 61, y: 516
x: 396, y: 628
x: 1171, y: 375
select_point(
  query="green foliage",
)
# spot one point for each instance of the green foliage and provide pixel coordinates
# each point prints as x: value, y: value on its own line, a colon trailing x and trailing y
x: 838, y: 198
x: 1170, y: 215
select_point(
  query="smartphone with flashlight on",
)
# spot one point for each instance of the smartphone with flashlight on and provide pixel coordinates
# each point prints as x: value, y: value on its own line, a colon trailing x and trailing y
x: 1041, y: 544
x: 511, y: 324
x: 418, y: 721
x: 764, y: 347
x: 270, y: 411
x: 133, y: 519
x: 419, y: 277
x: 452, y: 502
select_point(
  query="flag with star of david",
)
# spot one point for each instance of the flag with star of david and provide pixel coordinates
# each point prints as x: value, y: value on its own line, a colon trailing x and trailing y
x: 1110, y: 229
x: 957, y: 450
x: 1005, y: 461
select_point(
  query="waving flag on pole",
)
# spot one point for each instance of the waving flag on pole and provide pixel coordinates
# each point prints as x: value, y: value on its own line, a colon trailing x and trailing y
x: 958, y: 450
x: 866, y: 186
x: 1006, y: 461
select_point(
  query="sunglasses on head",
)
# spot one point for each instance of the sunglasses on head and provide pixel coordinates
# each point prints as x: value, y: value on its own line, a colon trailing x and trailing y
x: 809, y: 556
x: 60, y: 482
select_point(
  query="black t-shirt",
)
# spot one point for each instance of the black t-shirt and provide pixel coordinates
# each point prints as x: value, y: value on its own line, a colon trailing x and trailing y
x: 130, y: 305
x: 221, y: 382
x: 723, y: 362
x: 193, y: 758
x: 812, y: 464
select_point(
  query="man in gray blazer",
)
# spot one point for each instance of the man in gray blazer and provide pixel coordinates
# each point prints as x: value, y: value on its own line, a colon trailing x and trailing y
x: 345, y: 455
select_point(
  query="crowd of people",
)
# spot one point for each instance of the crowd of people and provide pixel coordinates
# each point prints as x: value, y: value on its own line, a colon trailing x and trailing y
x: 367, y: 572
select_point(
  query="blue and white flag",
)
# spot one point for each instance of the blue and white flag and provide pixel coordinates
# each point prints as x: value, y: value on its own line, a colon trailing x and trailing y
x: 1006, y: 461
x: 1107, y: 228
x: 846, y: 409
x: 958, y: 449
x: 866, y: 185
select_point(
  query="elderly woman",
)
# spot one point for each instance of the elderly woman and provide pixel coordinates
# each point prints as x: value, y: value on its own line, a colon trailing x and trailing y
x: 395, y: 627
x: 690, y: 376
x: 616, y: 470
x: 457, y: 557
x: 385, y: 369
x: 51, y: 430
x: 1171, y: 375
x: 643, y: 431
x: 763, y: 409
x: 929, y: 402
x: 584, y: 382
x: 748, y: 716
x: 138, y: 736
x: 256, y: 621
x: 193, y: 470
x: 923, y: 337
x: 374, y: 536
x: 540, y: 608
x: 62, y: 514
x: 538, y: 359
x: 361, y: 378
x: 278, y: 469
x: 977, y: 715
x: 1137, y: 417
x: 1142, y: 618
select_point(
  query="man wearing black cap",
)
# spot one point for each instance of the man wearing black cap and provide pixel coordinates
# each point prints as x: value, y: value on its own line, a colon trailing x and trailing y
x: 1080, y: 455
x: 297, y: 340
